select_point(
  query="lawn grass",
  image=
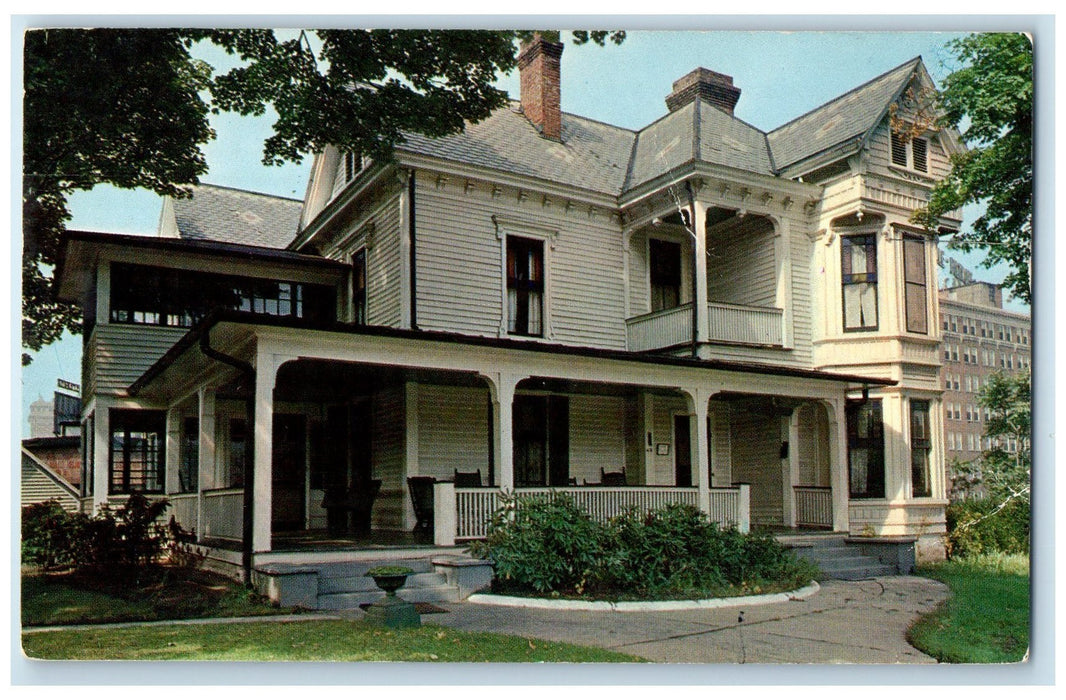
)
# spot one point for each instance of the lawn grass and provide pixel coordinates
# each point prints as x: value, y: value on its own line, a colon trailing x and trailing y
x: 986, y: 620
x: 159, y: 593
x: 309, y: 640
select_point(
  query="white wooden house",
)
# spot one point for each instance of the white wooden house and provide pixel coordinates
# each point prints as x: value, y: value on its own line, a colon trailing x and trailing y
x: 696, y: 311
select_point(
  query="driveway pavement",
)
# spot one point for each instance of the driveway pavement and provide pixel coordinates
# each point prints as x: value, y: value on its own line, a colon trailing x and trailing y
x: 846, y: 622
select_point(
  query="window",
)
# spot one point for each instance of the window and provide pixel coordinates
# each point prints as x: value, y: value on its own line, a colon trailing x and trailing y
x: 359, y: 287
x: 525, y: 286
x: 189, y: 462
x: 921, y: 445
x: 910, y: 153
x: 914, y: 284
x: 353, y: 163
x: 137, y: 451
x: 859, y: 278
x: 665, y: 263
x: 866, y: 449
x: 166, y: 297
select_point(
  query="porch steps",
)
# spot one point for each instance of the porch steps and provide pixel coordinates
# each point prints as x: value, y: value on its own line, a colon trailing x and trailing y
x: 838, y: 559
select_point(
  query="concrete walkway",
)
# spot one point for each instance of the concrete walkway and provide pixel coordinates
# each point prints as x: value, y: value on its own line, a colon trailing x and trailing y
x: 846, y: 622
x: 860, y: 622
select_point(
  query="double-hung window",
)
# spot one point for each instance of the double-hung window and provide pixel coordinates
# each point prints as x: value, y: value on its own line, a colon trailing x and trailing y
x: 914, y: 283
x: 137, y: 451
x: 525, y: 286
x: 921, y: 445
x: 859, y: 280
x: 866, y: 449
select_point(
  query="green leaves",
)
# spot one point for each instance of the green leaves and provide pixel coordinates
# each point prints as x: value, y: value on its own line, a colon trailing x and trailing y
x: 990, y: 101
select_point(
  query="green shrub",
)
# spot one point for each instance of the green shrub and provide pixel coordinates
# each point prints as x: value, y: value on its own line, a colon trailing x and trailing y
x: 129, y: 536
x: 549, y: 545
x: 974, y: 528
x: 50, y: 535
x: 542, y: 544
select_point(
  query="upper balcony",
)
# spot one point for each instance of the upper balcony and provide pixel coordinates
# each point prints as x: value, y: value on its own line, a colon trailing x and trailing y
x: 736, y: 324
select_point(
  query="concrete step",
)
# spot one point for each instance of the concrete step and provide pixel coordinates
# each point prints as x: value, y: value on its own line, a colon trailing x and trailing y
x: 862, y: 572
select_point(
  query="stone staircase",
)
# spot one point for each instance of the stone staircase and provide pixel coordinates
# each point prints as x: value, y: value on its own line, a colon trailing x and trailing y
x: 841, y: 557
x: 344, y: 585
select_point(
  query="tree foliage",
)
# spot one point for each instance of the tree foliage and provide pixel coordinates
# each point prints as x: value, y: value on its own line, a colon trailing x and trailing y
x: 990, y: 101
x: 130, y: 107
x: 114, y: 106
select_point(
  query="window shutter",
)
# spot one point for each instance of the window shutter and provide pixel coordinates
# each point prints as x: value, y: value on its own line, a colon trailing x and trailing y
x: 899, y: 150
x: 919, y: 152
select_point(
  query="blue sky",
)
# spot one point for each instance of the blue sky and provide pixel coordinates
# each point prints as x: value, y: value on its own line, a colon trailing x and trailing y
x: 781, y: 76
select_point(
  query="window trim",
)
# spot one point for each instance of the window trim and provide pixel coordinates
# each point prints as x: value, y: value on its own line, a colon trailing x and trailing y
x: 507, y: 226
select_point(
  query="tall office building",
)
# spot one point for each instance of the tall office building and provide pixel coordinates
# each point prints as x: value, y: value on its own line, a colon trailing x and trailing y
x: 979, y: 338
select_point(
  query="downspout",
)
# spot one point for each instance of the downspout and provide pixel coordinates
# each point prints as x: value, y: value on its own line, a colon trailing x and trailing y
x: 411, y: 236
x: 247, y: 529
x: 695, y: 267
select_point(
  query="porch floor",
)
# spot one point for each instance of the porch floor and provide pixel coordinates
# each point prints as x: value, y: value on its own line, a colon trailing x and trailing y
x: 308, y: 540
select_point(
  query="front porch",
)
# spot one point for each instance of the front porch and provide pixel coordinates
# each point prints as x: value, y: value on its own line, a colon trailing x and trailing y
x: 334, y: 439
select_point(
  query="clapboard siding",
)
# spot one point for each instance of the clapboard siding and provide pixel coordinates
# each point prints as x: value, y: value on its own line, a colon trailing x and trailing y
x: 118, y: 354
x: 460, y: 268
x: 383, y: 269
x: 756, y: 441
x: 662, y: 466
x: 813, y: 455
x: 721, y: 445
x: 38, y: 486
x: 453, y: 431
x: 388, y: 457
x: 597, y: 436
x: 741, y: 270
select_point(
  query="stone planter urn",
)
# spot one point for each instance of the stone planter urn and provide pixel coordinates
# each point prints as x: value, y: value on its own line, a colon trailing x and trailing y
x: 392, y: 611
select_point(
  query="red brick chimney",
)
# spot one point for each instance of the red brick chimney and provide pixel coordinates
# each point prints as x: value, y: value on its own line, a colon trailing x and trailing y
x: 709, y: 86
x: 538, y: 69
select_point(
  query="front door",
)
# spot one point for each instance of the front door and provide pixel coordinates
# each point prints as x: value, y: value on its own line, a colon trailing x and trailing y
x: 289, y: 463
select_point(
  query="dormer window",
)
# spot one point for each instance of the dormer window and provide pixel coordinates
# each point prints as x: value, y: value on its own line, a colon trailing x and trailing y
x: 911, y: 153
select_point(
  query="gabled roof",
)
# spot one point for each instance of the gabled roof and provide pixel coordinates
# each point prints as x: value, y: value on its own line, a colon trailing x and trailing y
x: 851, y: 116
x: 612, y: 160
x: 227, y: 215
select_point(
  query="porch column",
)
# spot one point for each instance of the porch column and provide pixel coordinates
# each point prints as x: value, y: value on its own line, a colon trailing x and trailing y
x: 173, y: 450
x: 698, y: 399
x: 205, y: 477
x: 790, y: 466
x: 838, y: 463
x: 101, y: 453
x: 502, y: 389
x: 699, y: 228
x: 783, y: 264
x: 265, y: 375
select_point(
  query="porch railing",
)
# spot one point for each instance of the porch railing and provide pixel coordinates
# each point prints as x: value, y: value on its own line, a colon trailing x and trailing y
x: 814, y: 506
x: 464, y: 513
x: 183, y: 507
x: 727, y: 323
x: 223, y: 514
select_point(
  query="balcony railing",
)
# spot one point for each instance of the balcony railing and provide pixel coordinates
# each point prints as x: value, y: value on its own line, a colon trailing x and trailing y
x: 727, y: 323
x: 223, y: 514
x: 814, y: 506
